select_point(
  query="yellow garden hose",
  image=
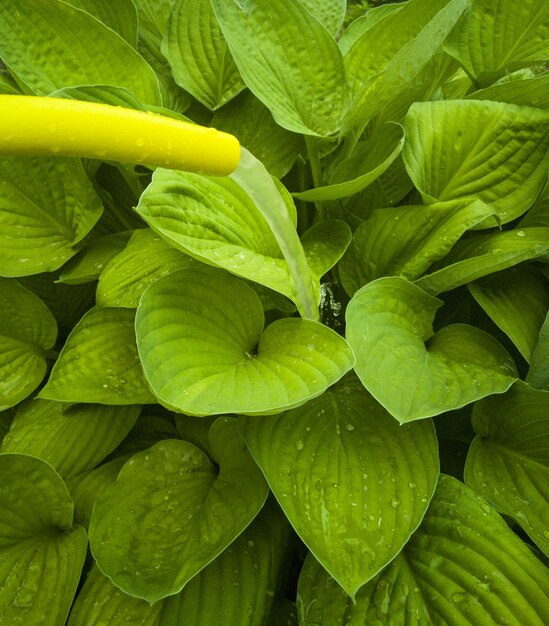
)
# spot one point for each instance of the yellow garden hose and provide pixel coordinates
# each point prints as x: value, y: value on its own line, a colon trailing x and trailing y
x: 35, y: 125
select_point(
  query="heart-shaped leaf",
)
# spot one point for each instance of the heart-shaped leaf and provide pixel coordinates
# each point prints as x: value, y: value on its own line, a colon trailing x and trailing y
x: 353, y: 483
x: 508, y: 462
x: 198, y: 54
x: 41, y: 553
x: 27, y: 330
x: 170, y: 513
x: 36, y: 39
x: 517, y: 300
x: 475, y: 257
x: 493, y: 38
x: 412, y: 372
x: 406, y: 240
x: 463, y: 566
x: 501, y: 158
x: 88, y: 433
x: 47, y: 207
x: 293, y: 66
x: 204, y: 351
x: 99, y: 362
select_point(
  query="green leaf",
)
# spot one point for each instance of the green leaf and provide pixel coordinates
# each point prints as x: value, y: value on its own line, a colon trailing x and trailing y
x: 242, y: 583
x: 508, y: 462
x: 538, y: 374
x: 169, y: 513
x: 41, y: 553
x: 353, y: 483
x: 51, y: 46
x: 405, y: 43
x: 359, y: 26
x: 145, y: 258
x: 466, y: 149
x: 198, y: 54
x: 288, y: 60
x: 250, y: 120
x: 88, y: 265
x: 47, y: 206
x: 532, y: 92
x: 463, y: 566
x: 498, y: 37
x: 517, y: 300
x: 475, y: 257
x: 99, y: 602
x: 371, y: 158
x: 122, y: 17
x: 99, y: 362
x: 87, y: 432
x: 412, y: 371
x: 204, y: 351
x: 324, y: 244
x: 244, y: 224
x: 27, y: 330
x: 105, y: 94
x: 406, y: 240
x: 329, y: 14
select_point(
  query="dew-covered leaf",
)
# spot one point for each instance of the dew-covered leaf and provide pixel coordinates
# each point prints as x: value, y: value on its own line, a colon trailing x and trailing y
x: 198, y: 54
x: 462, y: 566
x: 352, y: 481
x: 41, y: 552
x: 412, y: 371
x: 468, y: 149
x: 27, y: 330
x: 54, y: 45
x: 517, y: 300
x: 288, y: 60
x: 204, y: 350
x: 72, y: 439
x: 47, y: 206
x: 498, y: 36
x: 508, y: 462
x: 171, y: 512
x: 406, y: 240
x: 99, y: 362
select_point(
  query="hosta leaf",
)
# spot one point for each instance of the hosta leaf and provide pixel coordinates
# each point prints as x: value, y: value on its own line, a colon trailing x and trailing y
x: 406, y: 240
x: 324, y: 244
x: 146, y: 258
x: 41, y: 553
x: 217, y: 221
x: 88, y: 265
x: 204, y: 351
x: 170, y: 513
x: 467, y: 149
x: 361, y: 24
x: 51, y: 46
x: 497, y: 36
x: 106, y: 94
x: 329, y: 14
x: 532, y: 92
x: 479, y: 256
x: 47, y: 206
x: 250, y: 120
x: 122, y: 17
x: 412, y: 371
x: 517, y: 300
x: 352, y: 481
x: 99, y: 362
x: 87, y: 432
x: 101, y: 602
x: 508, y: 462
x: 242, y: 583
x: 198, y: 54
x: 27, y: 330
x: 288, y: 60
x: 406, y: 41
x: 463, y: 566
x: 370, y: 160
x: 538, y: 374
